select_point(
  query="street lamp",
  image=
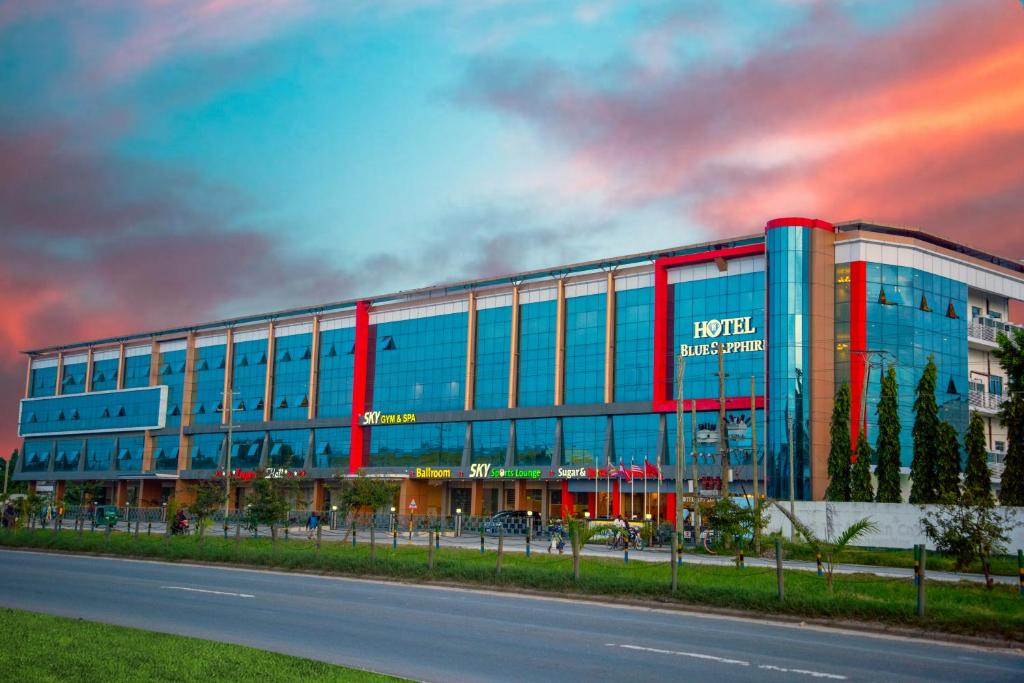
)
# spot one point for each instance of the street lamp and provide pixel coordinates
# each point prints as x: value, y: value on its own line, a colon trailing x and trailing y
x: 458, y: 521
x: 334, y: 516
x: 393, y: 527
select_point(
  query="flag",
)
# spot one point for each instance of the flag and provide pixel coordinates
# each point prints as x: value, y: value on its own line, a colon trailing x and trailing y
x: 635, y: 470
x: 651, y: 471
x: 623, y: 472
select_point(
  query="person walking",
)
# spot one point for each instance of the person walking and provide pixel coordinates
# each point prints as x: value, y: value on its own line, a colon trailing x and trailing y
x: 311, y: 525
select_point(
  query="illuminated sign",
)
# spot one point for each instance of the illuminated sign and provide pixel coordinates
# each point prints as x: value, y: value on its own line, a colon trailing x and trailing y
x: 375, y: 417
x: 574, y: 472
x: 722, y: 327
x: 487, y: 471
x: 433, y: 473
x: 282, y: 473
x: 725, y: 327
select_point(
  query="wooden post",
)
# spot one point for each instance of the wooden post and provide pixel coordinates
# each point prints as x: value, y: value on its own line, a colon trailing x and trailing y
x: 753, y: 462
x: 778, y: 570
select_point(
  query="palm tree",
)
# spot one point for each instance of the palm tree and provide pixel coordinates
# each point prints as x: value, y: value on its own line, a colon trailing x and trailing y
x: 830, y: 548
x: 580, y: 533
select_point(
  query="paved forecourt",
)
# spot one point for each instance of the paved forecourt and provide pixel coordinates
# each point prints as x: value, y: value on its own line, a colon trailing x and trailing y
x: 440, y: 634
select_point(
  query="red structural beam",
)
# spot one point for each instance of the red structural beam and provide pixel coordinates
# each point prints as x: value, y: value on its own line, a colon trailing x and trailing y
x: 705, y: 404
x: 663, y: 359
x: 359, y: 385
x: 858, y: 342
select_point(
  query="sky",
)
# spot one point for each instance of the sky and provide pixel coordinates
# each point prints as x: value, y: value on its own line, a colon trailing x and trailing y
x: 165, y: 162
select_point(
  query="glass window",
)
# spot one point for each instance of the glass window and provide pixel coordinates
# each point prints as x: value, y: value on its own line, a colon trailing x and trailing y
x: 44, y: 381
x: 417, y: 444
x: 135, y: 409
x: 37, y: 455
x: 292, y: 354
x: 165, y: 454
x: 995, y: 385
x: 584, y: 348
x: 490, y: 442
x: 422, y: 365
x: 172, y: 373
x: 636, y: 439
x: 99, y: 454
x: 337, y: 361
x: 73, y: 381
x: 583, y: 441
x: 249, y: 379
x: 537, y: 326
x: 535, y: 441
x: 634, y: 344
x: 136, y: 371
x: 208, y: 385
x: 493, y: 342
x: 288, y: 448
x: 129, y: 453
x: 246, y: 450
x: 68, y: 455
x: 332, y: 448
x: 207, y: 451
x: 104, y: 374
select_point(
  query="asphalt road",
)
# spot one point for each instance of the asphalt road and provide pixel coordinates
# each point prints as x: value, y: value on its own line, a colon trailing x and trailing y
x: 439, y: 634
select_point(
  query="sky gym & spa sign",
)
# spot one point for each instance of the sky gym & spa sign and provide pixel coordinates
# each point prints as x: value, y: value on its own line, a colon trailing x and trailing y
x: 722, y: 327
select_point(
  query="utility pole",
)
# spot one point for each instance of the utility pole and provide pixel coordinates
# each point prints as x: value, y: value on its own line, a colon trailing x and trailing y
x: 753, y: 459
x: 693, y: 468
x: 680, y: 374
x: 7, y: 472
x: 723, y: 431
x: 228, y: 404
x: 792, y: 477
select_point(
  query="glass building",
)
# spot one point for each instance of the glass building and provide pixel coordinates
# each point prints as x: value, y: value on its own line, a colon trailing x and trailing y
x: 554, y: 390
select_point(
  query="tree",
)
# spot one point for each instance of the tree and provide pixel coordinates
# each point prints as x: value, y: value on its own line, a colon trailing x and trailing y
x: 11, y: 466
x: 731, y: 520
x: 977, y: 478
x: 78, y: 494
x: 924, y: 487
x: 839, y: 454
x: 270, y: 502
x: 947, y: 462
x: 365, y: 492
x: 580, y: 533
x: 887, y: 446
x: 860, y: 479
x: 970, y: 529
x: 830, y: 548
x: 1010, y: 355
x: 207, y: 497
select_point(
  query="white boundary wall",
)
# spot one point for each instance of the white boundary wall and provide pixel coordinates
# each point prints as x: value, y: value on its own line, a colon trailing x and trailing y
x: 898, y: 523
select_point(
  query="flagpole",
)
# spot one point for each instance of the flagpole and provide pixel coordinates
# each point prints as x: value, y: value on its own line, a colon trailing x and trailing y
x: 645, y: 489
x: 608, y: 487
x: 631, y: 515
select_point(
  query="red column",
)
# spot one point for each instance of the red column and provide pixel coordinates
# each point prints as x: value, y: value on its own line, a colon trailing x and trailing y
x: 592, y: 504
x: 670, y: 504
x: 360, y: 434
x: 566, y: 500
x: 858, y: 343
x: 616, y: 499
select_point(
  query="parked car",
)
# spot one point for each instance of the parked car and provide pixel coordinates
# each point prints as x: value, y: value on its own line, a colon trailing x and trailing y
x: 512, y: 522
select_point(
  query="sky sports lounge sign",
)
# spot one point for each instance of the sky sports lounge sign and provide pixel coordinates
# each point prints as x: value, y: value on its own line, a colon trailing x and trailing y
x: 718, y: 328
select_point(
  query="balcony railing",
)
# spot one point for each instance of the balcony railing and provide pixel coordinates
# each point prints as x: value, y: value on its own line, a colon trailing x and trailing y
x: 985, y: 401
x: 996, y: 464
x: 987, y: 329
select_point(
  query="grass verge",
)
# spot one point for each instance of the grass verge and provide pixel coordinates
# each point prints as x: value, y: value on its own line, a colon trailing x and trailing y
x: 965, y: 608
x: 58, y: 649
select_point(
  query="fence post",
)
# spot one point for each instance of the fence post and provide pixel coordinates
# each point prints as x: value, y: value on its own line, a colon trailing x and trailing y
x: 920, y: 585
x: 481, y: 539
x: 501, y: 547
x: 778, y: 569
x: 528, y: 538
x: 353, y: 531
x: 149, y: 528
x: 1020, y: 571
x: 319, y: 531
x: 679, y: 550
x: 238, y: 531
x: 137, y: 523
x: 430, y: 550
x: 917, y: 564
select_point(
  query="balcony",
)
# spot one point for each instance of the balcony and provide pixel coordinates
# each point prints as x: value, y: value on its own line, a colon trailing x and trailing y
x: 982, y: 332
x: 984, y: 402
x: 996, y: 465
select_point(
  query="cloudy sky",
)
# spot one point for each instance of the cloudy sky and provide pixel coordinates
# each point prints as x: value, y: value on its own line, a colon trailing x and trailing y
x: 165, y: 162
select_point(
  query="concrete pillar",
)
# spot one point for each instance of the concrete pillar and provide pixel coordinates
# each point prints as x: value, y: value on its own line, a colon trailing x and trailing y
x: 60, y: 374
x: 560, y: 344
x: 314, y: 369
x: 120, y: 366
x: 609, y: 340
x: 88, y: 371
x: 476, y: 500
x: 513, y: 364
x: 470, y: 392
x: 227, y: 401
x: 268, y: 386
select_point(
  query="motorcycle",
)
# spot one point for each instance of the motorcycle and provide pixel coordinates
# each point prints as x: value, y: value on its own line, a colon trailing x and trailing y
x: 557, y: 534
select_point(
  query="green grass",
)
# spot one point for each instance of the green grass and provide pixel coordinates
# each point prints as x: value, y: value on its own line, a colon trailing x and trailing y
x: 959, y: 608
x: 46, y: 648
x: 1002, y: 565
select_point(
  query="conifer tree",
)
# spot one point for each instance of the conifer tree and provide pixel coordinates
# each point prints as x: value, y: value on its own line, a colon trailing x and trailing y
x: 860, y: 480
x: 1011, y: 356
x: 887, y: 446
x: 977, y: 478
x: 924, y: 487
x: 839, y: 454
x: 947, y: 463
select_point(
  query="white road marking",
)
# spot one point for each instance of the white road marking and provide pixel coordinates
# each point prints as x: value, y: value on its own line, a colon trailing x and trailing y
x: 726, y: 660
x: 203, y: 590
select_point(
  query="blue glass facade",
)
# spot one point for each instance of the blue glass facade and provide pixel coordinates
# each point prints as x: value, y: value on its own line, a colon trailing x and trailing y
x: 417, y: 445
x: 708, y: 449
x: 490, y: 442
x: 108, y: 411
x: 584, y: 348
x: 583, y: 440
x: 537, y: 327
x: 248, y: 382
x: 493, y: 341
x: 37, y: 454
x: 292, y: 355
x: 73, y: 379
x: 332, y: 448
x: 171, y: 372
x: 208, y: 384
x: 136, y: 371
x: 165, y: 454
x: 636, y: 438
x: 99, y: 455
x: 535, y: 441
x: 104, y: 374
x: 43, y: 381
x: 789, y: 267
x: 420, y: 364
x: 634, y: 344
x: 207, y: 451
x: 288, y: 448
x: 246, y: 450
x: 129, y: 453
x: 337, y: 363
x: 69, y: 452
